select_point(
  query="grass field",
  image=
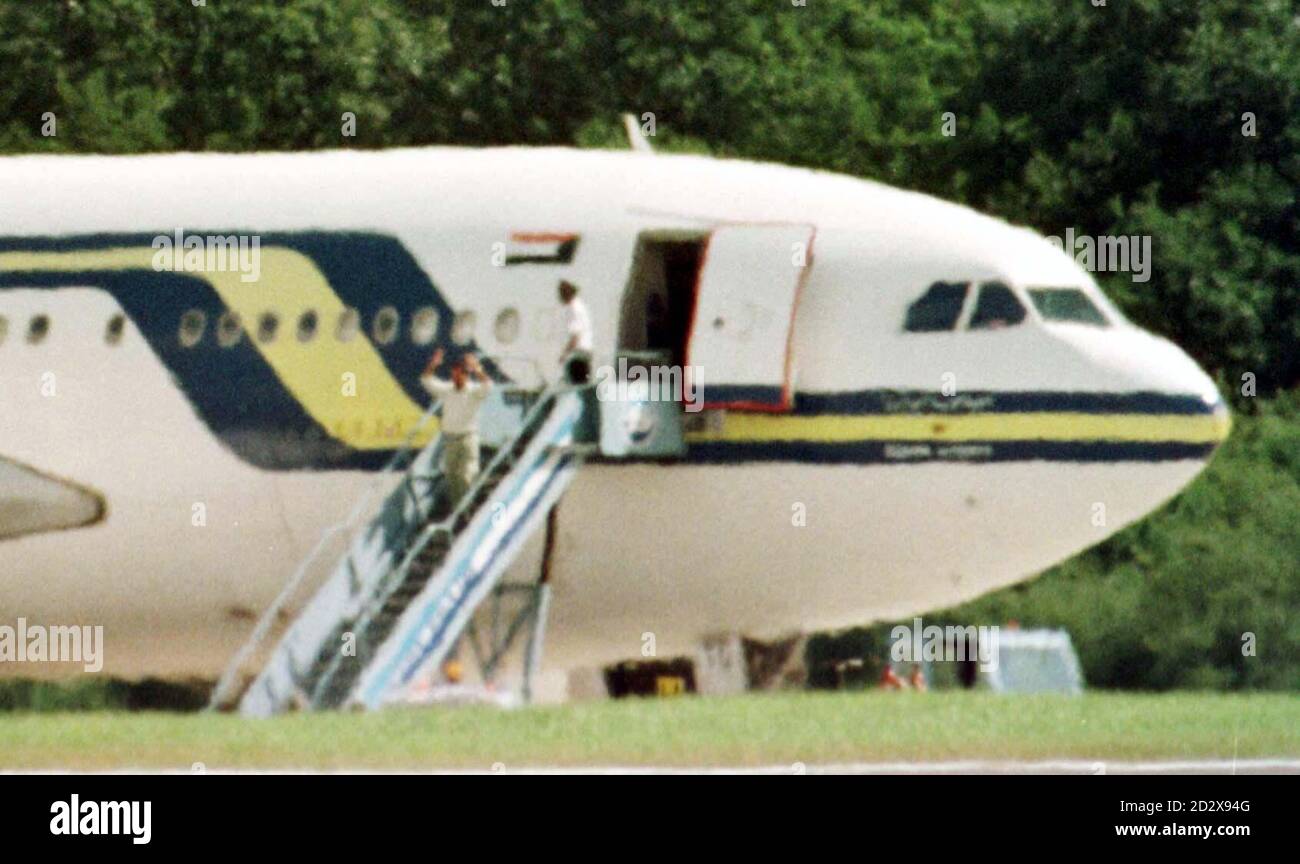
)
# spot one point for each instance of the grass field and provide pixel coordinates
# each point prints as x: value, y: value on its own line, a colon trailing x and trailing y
x: 750, y: 730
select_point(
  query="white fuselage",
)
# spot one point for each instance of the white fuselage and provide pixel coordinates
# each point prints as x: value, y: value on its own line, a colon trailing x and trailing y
x: 799, y: 528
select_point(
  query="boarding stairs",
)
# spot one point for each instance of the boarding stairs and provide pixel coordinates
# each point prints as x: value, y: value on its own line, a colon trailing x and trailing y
x: 413, y: 576
x: 407, y: 586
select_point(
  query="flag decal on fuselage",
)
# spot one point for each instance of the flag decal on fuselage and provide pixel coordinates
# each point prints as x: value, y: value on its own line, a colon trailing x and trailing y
x: 541, y: 248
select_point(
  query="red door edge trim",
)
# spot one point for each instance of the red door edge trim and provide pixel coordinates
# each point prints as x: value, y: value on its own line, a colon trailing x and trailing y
x: 787, y: 396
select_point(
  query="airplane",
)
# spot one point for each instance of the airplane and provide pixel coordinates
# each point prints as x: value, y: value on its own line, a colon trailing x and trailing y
x: 906, y: 404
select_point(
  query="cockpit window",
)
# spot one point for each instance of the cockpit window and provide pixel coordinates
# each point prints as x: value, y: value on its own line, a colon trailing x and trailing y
x: 1066, y: 304
x: 937, y: 309
x: 997, y: 307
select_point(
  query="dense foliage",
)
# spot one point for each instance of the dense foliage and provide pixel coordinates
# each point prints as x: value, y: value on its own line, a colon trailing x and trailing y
x: 1176, y: 120
x: 1125, y: 118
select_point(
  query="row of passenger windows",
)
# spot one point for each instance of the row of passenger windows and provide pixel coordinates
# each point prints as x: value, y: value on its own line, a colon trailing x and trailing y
x: 940, y: 307
x: 38, y: 327
x: 385, y: 327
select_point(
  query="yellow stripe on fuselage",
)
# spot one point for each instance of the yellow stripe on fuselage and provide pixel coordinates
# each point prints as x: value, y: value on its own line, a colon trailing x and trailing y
x: 1027, y: 426
x: 377, y: 417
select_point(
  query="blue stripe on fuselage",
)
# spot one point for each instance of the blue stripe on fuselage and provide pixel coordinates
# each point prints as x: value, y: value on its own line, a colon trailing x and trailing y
x: 234, y: 390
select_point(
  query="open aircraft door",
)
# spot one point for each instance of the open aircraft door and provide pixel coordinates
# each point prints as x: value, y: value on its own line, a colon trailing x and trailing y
x: 741, y: 334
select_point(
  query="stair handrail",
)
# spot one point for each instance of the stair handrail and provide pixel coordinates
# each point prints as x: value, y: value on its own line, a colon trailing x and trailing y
x: 397, y: 575
x: 224, y: 691
x: 448, y: 522
x: 547, y: 395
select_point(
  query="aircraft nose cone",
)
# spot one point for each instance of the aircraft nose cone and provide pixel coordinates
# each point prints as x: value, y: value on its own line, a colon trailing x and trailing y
x: 1222, y: 420
x: 1211, y: 420
x: 1182, y: 375
x: 1182, y: 403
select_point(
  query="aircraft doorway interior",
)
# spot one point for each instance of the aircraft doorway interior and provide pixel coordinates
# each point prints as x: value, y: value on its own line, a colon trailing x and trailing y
x: 660, y: 297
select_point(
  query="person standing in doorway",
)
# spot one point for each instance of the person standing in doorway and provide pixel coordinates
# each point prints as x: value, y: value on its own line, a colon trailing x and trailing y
x: 461, y: 398
x: 577, y: 324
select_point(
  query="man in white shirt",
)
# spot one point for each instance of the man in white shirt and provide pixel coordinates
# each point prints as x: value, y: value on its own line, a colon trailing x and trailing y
x: 577, y: 323
x: 461, y: 400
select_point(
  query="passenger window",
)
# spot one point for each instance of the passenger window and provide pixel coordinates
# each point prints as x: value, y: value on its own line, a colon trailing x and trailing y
x: 997, y: 307
x: 193, y: 323
x: 506, y: 328
x: 38, y: 329
x: 424, y: 325
x: 384, y: 328
x: 307, y: 326
x: 267, y: 326
x: 349, y: 325
x: 116, y: 327
x: 230, y: 329
x: 937, y: 309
